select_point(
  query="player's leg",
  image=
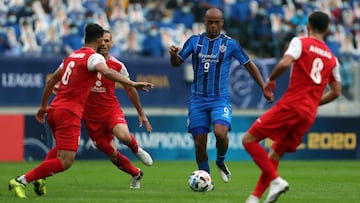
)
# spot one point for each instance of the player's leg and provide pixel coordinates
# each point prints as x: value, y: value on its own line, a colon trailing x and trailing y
x: 199, y: 127
x: 263, y: 182
x: 222, y: 143
x: 103, y: 139
x: 300, y: 123
x: 66, y: 137
x: 107, y: 145
x: 200, y: 143
x: 121, y: 132
x: 276, y: 186
x: 260, y: 157
x: 274, y: 124
x: 40, y: 185
x: 120, y: 129
x: 45, y: 169
x: 125, y: 165
x: 221, y: 115
x: 269, y: 172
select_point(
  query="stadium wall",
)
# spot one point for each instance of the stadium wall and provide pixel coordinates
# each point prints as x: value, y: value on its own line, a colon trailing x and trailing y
x: 23, y: 138
x: 334, y: 135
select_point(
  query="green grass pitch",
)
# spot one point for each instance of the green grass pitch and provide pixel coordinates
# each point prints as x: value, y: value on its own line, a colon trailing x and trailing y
x: 166, y: 181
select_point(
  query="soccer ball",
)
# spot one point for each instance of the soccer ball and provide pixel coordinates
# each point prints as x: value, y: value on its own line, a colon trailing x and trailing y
x: 200, y: 181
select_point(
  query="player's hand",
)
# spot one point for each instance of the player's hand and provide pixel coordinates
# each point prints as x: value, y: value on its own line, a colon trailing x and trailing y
x: 40, y: 115
x: 144, y: 86
x: 173, y: 50
x: 144, y: 120
x: 269, y: 90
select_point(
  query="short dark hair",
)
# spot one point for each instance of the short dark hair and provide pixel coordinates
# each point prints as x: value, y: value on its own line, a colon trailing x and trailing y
x: 93, y: 32
x: 319, y: 21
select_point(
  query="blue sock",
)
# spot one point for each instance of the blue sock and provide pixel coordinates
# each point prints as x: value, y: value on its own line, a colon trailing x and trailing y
x: 204, y: 166
x: 220, y: 155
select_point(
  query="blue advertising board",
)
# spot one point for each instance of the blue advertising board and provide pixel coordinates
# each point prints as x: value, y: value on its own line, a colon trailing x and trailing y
x: 329, y: 138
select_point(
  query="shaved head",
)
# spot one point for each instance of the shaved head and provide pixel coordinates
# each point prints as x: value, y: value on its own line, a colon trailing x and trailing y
x: 214, y: 13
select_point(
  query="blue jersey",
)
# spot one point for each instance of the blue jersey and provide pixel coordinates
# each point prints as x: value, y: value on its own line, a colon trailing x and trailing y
x: 211, y: 59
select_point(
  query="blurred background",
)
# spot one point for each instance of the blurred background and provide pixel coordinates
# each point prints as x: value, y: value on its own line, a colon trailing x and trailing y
x: 35, y: 35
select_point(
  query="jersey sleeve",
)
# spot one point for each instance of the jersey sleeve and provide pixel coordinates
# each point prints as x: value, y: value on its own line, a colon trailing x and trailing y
x: 295, y: 48
x: 93, y: 60
x: 61, y: 64
x: 335, y: 76
x: 239, y: 53
x: 187, y: 48
x: 123, y: 71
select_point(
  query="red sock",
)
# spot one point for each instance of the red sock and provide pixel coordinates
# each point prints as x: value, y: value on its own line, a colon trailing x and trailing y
x: 133, y: 145
x: 260, y: 157
x: 51, y: 154
x: 263, y: 182
x: 275, y: 164
x: 45, y: 169
x: 125, y: 165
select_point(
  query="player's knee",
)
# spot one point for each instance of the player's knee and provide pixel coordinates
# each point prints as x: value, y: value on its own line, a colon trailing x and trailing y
x: 221, y: 129
x: 113, y: 157
x: 123, y: 137
x: 221, y: 136
x: 67, y: 162
x: 248, y: 138
x: 200, y: 141
x: 66, y: 157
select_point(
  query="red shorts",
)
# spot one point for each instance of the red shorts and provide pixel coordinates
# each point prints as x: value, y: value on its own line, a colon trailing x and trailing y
x: 100, y: 130
x: 285, y: 126
x: 66, y: 128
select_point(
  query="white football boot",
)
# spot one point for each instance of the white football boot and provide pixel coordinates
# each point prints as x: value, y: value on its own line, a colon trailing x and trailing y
x: 252, y: 199
x: 144, y: 157
x: 278, y: 186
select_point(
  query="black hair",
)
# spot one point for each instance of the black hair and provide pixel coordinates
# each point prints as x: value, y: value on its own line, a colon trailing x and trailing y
x: 319, y: 21
x: 93, y: 32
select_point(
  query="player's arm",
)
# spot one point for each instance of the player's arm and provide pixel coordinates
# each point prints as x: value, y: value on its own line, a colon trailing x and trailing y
x: 175, y: 60
x: 135, y: 100
x: 49, y: 86
x: 115, y: 76
x: 281, y: 67
x: 332, y: 94
x: 292, y: 53
x: 335, y: 86
x: 255, y: 74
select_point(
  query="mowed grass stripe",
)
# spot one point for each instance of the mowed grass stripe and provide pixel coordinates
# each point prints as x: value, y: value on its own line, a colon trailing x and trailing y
x: 98, y: 181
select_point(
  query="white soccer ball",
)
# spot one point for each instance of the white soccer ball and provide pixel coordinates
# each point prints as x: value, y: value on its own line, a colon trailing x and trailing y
x: 200, y: 181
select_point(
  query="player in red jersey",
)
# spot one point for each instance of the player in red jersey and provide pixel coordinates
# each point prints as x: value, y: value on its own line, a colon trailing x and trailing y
x: 65, y: 112
x: 313, y: 68
x: 104, y: 118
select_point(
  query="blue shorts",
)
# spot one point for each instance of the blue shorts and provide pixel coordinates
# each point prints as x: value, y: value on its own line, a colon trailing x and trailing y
x: 204, y: 112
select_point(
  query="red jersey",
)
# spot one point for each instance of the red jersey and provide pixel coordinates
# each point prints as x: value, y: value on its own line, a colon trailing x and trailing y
x: 314, y: 67
x: 102, y: 99
x: 77, y: 76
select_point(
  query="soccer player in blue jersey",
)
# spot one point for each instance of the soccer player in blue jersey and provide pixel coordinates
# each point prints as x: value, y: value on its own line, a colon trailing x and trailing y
x: 210, y: 103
